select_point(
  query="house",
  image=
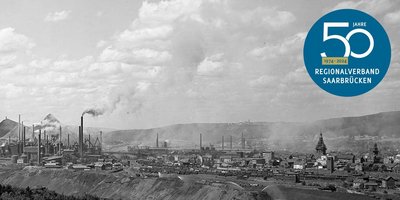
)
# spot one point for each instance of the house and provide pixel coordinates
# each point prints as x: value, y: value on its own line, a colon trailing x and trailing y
x: 269, y: 155
x: 80, y: 167
x: 298, y: 164
x: 108, y: 165
x: 359, y: 183
x: 345, y: 158
x: 288, y: 163
x: 389, y: 183
x: 225, y: 159
x: 371, y: 186
x: 358, y: 167
x: 388, y: 160
x: 395, y: 167
x: 390, y: 166
x: 99, y: 166
x: 208, y: 160
x: 309, y: 165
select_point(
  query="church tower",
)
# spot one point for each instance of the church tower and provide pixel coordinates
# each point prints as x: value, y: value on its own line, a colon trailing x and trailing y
x: 375, y: 150
x: 376, y: 157
x: 321, y: 148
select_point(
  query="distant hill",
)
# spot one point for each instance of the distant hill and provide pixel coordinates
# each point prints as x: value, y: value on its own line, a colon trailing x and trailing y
x: 380, y: 124
x: 272, y: 135
x: 7, y: 126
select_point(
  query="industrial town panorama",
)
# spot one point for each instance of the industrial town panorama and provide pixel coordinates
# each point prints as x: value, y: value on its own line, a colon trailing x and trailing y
x: 200, y: 99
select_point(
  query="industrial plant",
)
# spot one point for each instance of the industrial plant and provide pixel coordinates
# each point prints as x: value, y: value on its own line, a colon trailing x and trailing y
x: 47, y: 146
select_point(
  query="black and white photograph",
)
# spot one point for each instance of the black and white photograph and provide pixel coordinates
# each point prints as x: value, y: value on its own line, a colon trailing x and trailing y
x: 200, y: 99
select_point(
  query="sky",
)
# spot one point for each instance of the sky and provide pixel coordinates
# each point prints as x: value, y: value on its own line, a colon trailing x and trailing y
x: 155, y: 63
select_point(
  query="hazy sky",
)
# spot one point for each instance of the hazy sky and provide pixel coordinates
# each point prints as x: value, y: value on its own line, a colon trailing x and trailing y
x: 157, y: 63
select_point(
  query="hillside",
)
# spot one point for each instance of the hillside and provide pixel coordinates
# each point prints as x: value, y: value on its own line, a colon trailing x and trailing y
x: 290, y: 135
x: 6, y: 126
x: 293, y: 193
x: 380, y: 124
x: 116, y: 185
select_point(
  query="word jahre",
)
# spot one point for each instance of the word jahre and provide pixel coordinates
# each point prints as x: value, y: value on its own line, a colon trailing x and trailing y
x: 359, y: 24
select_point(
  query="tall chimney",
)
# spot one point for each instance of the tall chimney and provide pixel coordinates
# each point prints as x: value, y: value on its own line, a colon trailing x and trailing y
x: 33, y: 132
x: 59, y: 144
x: 243, y: 145
x: 39, y: 141
x: 68, y: 141
x: 44, y: 141
x: 157, y: 141
x: 222, y: 142
x: 47, y: 144
x: 80, y: 141
x: 231, y: 142
x: 22, y: 130
x: 19, y: 128
x: 101, y: 140
x: 201, y: 141
x: 81, y: 138
x: 23, y: 140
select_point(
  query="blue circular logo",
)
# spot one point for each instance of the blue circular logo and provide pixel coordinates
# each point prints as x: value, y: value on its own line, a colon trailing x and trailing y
x: 347, y: 52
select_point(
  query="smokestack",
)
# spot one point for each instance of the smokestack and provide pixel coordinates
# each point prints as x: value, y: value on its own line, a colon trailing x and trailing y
x: 23, y: 140
x: 201, y: 141
x: 33, y: 132
x: 44, y: 141
x: 157, y: 141
x: 101, y: 140
x: 81, y: 138
x: 59, y: 145
x: 39, y: 141
x: 80, y: 149
x: 231, y: 142
x: 222, y: 142
x: 47, y: 149
x: 243, y: 145
x: 22, y: 130
x: 19, y: 128
x: 68, y: 141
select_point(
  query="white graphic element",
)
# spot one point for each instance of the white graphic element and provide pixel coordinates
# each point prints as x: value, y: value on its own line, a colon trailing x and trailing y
x: 370, y: 38
x: 345, y: 41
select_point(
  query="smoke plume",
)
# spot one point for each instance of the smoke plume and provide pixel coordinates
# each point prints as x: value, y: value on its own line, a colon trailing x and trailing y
x: 94, y: 112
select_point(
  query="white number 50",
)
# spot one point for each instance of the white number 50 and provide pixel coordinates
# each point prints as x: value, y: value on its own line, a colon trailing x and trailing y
x: 345, y: 41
